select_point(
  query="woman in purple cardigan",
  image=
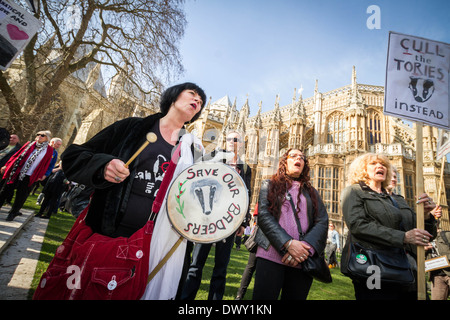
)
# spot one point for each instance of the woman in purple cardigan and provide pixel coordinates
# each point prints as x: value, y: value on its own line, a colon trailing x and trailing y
x: 281, y: 249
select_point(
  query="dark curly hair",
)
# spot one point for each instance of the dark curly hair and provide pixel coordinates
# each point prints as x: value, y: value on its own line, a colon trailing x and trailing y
x: 280, y: 183
x: 170, y: 95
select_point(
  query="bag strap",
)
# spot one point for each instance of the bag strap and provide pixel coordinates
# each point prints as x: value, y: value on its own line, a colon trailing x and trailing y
x: 394, y: 202
x: 297, y: 220
x: 168, y: 175
x: 164, y: 260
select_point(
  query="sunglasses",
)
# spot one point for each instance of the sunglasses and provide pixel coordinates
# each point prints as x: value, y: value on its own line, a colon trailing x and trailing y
x: 295, y: 156
x: 40, y: 134
x: 234, y: 139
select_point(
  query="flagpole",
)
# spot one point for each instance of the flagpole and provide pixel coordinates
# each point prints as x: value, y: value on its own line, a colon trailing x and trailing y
x: 420, y: 224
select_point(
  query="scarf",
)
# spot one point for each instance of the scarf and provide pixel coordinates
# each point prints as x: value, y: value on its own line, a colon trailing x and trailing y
x: 164, y: 285
x: 39, y: 147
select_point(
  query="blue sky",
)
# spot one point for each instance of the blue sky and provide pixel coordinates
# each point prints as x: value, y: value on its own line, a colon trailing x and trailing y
x: 265, y: 47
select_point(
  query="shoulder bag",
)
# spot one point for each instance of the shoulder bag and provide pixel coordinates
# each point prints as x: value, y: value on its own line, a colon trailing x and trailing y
x: 250, y: 243
x: 92, y: 266
x: 392, y: 262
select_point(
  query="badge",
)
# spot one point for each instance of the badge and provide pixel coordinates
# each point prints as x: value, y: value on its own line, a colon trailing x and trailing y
x: 112, y: 284
x: 361, y: 259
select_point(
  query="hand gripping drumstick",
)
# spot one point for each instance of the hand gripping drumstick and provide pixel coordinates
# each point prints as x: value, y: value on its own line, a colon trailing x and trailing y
x: 150, y: 137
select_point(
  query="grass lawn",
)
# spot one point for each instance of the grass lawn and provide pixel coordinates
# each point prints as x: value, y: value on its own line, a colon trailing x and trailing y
x: 340, y: 289
x: 59, y: 225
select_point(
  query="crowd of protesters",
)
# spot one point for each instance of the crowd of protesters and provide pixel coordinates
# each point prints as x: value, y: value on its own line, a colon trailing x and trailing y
x: 30, y: 167
x: 290, y: 220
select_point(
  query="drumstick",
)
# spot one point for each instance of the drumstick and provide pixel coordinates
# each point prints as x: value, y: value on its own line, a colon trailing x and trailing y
x: 150, y: 137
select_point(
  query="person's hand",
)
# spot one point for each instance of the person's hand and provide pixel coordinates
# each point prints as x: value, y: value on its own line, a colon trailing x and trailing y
x: 437, y: 212
x: 417, y: 237
x: 115, y: 171
x: 297, y: 253
x: 240, y: 231
x: 428, y: 204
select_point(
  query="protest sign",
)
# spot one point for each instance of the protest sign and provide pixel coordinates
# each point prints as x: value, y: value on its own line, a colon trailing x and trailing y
x: 17, y: 28
x: 417, y: 80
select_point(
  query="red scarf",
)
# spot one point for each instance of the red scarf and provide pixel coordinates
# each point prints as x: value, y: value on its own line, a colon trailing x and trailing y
x: 40, y: 170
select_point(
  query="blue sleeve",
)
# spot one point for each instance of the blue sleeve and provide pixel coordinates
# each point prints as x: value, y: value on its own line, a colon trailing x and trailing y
x: 52, y: 163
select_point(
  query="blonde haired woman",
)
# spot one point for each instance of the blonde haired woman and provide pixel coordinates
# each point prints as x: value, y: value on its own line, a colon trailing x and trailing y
x: 380, y: 221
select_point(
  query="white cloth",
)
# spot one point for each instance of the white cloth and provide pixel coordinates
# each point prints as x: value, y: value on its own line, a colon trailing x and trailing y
x: 35, y: 163
x: 164, y: 285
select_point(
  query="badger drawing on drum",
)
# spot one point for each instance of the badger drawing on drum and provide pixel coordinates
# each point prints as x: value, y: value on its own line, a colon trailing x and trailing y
x: 206, y: 192
x: 205, y: 202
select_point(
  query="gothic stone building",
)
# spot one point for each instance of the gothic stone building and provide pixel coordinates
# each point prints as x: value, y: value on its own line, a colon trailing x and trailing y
x: 332, y: 128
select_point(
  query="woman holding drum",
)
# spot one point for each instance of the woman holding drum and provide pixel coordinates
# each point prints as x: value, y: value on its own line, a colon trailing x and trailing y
x: 122, y: 201
x: 281, y: 249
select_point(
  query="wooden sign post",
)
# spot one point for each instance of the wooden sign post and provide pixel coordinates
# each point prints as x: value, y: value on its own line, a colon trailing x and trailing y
x: 420, y: 224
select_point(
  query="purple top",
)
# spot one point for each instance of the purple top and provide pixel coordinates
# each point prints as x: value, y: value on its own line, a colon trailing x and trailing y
x: 287, y: 222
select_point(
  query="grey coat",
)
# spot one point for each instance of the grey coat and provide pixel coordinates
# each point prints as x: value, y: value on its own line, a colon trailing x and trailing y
x: 374, y: 220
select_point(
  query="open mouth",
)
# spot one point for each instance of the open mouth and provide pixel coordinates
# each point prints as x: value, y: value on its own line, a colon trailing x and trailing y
x: 194, y: 106
x: 298, y: 164
x: 379, y: 172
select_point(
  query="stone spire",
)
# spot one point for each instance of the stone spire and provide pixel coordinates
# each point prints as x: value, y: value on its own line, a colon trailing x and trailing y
x: 243, y: 116
x: 355, y: 98
x: 276, y: 111
x: 93, y: 76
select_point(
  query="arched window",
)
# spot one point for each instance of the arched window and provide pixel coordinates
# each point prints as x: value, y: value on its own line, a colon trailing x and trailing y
x: 374, y: 127
x: 335, y: 128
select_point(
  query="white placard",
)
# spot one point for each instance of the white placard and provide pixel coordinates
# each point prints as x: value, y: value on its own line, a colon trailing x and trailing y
x: 17, y: 28
x: 417, y: 85
x: 436, y: 263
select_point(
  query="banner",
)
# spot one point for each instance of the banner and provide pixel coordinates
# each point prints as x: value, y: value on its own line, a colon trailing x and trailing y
x: 417, y: 84
x: 17, y: 28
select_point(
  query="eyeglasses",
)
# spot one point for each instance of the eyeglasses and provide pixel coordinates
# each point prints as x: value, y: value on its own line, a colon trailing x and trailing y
x: 40, y: 134
x: 295, y: 156
x: 234, y: 139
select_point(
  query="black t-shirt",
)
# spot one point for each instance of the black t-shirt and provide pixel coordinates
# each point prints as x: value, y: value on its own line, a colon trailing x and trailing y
x: 151, y: 165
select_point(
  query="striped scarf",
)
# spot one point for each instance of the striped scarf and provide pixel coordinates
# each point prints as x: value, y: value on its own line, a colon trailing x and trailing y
x: 39, y: 148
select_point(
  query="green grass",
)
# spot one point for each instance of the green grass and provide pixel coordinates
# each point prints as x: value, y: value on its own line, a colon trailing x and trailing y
x: 60, y: 224
x: 340, y: 289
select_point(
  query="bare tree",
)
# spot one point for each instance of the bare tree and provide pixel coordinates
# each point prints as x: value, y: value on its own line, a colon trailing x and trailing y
x: 136, y: 37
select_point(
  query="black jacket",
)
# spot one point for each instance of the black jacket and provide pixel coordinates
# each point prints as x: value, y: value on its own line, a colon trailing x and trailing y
x: 84, y: 164
x: 275, y: 235
x: 5, y: 159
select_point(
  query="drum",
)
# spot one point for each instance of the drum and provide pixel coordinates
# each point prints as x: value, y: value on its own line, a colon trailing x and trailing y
x: 207, y: 202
